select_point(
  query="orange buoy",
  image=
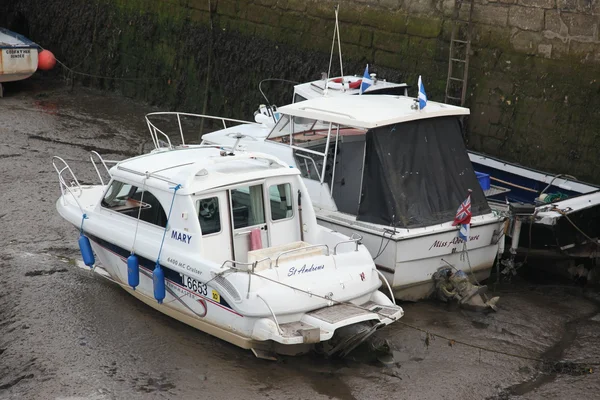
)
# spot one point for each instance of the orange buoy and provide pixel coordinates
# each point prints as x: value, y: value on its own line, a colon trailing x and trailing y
x: 46, y: 60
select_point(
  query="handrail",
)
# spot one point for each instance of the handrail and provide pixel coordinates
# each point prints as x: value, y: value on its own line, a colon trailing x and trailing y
x: 299, y: 249
x: 388, y: 285
x: 353, y: 239
x: 65, y: 168
x: 253, y: 264
x: 61, y: 180
x: 95, y: 153
x: 154, y: 130
x: 272, y: 314
x: 314, y: 163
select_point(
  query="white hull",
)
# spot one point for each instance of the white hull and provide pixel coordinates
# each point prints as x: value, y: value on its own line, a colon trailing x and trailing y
x: 409, y: 261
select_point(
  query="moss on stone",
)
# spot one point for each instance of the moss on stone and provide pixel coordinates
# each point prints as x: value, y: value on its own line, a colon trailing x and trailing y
x: 424, y: 27
x: 391, y: 42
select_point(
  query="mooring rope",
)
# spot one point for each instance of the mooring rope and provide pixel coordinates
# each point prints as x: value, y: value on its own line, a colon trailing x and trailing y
x: 176, y: 187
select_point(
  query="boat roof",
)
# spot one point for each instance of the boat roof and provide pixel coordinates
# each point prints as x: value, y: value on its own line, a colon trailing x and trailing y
x: 199, y: 168
x: 369, y: 111
x: 10, y: 39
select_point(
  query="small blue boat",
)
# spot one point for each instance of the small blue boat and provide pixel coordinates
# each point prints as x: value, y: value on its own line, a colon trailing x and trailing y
x: 565, y: 211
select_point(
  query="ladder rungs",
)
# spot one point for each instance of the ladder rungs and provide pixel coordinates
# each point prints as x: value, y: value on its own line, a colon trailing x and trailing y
x: 460, y: 41
x: 454, y: 98
x: 464, y: 21
x: 458, y: 60
x: 455, y: 79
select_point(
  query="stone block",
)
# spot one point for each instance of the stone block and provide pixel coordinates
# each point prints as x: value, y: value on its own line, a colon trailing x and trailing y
x: 424, y: 27
x: 391, y: 4
x: 262, y: 15
x: 296, y: 5
x: 447, y: 8
x: 358, y: 35
x: 483, y: 115
x: 545, y: 50
x: 526, y: 42
x: 354, y: 52
x: 267, y: 3
x: 554, y: 23
x: 582, y: 6
x: 294, y: 21
x: 266, y: 32
x: 387, y: 59
x: 421, y: 7
x: 201, y: 5
x: 321, y: 9
x: 320, y: 43
x: 489, y: 36
x: 199, y: 16
x: 526, y: 18
x: 423, y: 48
x: 491, y: 14
x: 385, y: 21
x: 580, y: 24
x: 559, y: 48
x: 538, y: 3
x: 585, y: 51
x: 393, y: 42
x: 228, y: 8
x: 323, y: 28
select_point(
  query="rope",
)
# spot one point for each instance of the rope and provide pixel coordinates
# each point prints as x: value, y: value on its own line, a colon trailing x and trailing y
x: 176, y: 187
x: 100, y: 76
x: 564, y: 214
x: 137, y: 224
x: 83, y: 218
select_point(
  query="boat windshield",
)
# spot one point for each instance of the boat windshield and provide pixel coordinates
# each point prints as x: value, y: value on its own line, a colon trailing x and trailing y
x: 294, y: 127
x: 315, y: 144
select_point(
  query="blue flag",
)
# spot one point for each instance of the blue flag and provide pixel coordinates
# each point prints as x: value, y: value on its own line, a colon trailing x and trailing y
x: 422, y: 95
x: 366, y: 80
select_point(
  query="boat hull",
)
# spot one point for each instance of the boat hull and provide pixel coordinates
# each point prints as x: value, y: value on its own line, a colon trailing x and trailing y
x: 269, y: 318
x: 409, y: 262
x: 17, y: 63
x: 224, y: 322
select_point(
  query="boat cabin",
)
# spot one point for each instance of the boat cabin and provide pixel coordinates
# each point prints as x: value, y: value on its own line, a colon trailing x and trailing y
x: 227, y: 205
x: 380, y: 158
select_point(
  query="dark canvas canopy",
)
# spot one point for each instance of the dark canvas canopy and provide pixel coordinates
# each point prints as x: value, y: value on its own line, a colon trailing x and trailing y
x: 417, y: 173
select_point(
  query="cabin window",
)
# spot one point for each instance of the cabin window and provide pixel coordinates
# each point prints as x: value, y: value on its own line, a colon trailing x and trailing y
x: 247, y: 206
x: 298, y: 98
x: 209, y: 215
x: 131, y: 200
x: 281, y: 201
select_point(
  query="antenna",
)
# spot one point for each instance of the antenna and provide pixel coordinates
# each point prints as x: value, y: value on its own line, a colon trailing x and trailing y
x: 336, y: 34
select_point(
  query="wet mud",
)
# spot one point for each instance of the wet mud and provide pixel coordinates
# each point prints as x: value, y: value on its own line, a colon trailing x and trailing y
x: 67, y: 334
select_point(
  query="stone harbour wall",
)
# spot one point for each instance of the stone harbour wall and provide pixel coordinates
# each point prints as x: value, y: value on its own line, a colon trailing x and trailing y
x: 534, y: 81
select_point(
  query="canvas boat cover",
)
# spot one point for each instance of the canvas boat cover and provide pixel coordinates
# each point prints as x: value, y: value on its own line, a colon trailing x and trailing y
x: 417, y: 174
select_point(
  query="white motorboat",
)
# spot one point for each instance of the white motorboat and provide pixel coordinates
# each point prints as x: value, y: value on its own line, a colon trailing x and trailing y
x: 229, y: 244
x: 18, y: 57
x: 558, y: 214
x: 403, y: 202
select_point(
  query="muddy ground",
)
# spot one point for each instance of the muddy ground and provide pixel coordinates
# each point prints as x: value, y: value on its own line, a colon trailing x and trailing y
x: 68, y: 334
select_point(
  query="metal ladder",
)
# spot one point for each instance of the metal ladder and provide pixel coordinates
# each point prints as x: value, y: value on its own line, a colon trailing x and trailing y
x: 460, y: 47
